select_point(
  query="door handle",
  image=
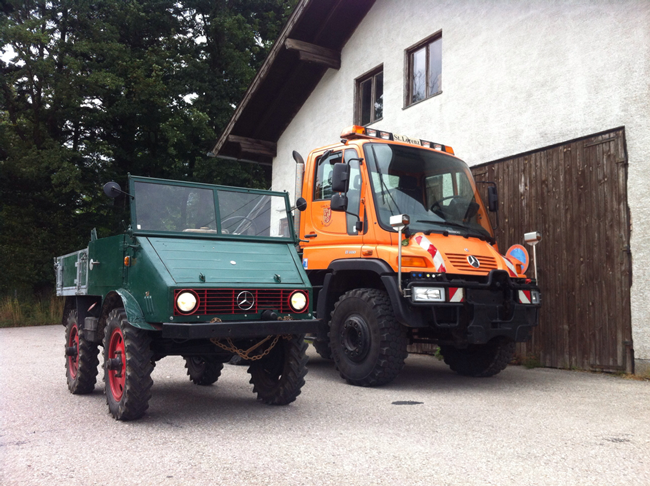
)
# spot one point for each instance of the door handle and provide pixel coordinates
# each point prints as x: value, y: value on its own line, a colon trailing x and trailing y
x: 312, y: 235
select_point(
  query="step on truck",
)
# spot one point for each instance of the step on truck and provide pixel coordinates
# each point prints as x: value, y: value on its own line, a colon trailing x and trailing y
x: 204, y: 272
x: 400, y: 249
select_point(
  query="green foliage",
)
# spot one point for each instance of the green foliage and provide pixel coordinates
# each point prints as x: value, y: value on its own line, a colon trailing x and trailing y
x: 16, y: 312
x: 95, y: 90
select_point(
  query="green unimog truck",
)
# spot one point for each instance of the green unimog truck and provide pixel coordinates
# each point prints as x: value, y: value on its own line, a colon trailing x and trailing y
x: 205, y: 272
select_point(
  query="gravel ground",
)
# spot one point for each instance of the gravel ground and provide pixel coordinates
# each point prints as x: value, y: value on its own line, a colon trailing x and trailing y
x: 429, y: 426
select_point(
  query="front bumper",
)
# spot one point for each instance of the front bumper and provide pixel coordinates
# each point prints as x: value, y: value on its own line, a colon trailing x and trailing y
x: 237, y: 329
x: 489, y: 310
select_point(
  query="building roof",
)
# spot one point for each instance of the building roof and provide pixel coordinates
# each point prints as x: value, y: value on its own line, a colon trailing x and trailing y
x: 309, y: 45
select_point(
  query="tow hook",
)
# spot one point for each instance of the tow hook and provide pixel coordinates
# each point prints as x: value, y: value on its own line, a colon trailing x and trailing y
x: 115, y: 364
x: 71, y: 351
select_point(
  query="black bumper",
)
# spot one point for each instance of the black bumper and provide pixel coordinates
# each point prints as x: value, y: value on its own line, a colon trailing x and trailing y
x: 487, y: 324
x: 237, y: 329
x: 490, y: 310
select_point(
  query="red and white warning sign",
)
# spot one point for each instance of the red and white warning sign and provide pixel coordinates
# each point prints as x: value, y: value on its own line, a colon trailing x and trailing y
x: 438, y: 261
x: 456, y: 294
x: 524, y: 296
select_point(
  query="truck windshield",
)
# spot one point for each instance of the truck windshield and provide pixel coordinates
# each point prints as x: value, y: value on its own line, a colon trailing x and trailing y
x: 434, y: 189
x: 209, y: 211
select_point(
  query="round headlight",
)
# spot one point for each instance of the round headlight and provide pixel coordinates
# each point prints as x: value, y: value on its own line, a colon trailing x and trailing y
x: 298, y: 301
x: 186, y: 301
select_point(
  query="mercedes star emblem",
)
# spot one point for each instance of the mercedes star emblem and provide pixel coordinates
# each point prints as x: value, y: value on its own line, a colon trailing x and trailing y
x: 473, y: 261
x: 245, y: 300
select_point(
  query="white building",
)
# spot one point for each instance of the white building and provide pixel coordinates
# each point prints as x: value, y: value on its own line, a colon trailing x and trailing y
x: 500, y: 78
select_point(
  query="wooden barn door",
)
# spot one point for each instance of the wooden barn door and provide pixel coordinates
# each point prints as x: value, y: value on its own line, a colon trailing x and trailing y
x: 575, y: 195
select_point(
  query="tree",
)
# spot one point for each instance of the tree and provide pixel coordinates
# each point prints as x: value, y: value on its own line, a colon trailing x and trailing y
x: 94, y: 90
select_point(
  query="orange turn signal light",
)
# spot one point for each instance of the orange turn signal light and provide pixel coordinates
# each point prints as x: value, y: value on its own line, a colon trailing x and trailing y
x: 353, y: 130
x: 127, y: 261
x: 409, y: 261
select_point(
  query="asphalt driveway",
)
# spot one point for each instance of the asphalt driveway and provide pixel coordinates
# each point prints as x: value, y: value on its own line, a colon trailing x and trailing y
x: 430, y: 426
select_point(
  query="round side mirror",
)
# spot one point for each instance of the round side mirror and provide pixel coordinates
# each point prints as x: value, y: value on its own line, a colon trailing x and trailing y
x: 301, y: 204
x: 112, y: 189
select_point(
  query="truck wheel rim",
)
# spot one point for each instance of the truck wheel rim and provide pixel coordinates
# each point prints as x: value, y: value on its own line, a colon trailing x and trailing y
x: 73, y: 361
x: 117, y: 378
x: 355, y: 338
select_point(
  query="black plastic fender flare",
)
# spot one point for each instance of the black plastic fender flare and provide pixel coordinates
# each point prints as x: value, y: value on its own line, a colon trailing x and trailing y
x: 404, y: 313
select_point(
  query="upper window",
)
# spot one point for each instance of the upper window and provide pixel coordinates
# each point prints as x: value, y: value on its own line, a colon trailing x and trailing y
x: 424, y: 68
x: 369, y: 105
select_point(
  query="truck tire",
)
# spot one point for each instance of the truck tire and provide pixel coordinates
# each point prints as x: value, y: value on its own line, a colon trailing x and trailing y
x: 322, y: 341
x: 127, y: 367
x: 368, y: 344
x: 81, y: 358
x: 278, y: 377
x: 202, y: 371
x: 480, y: 360
x: 323, y: 349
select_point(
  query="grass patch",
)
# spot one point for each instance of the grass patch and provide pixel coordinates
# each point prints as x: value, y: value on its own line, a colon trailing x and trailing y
x: 21, y: 312
x: 531, y: 361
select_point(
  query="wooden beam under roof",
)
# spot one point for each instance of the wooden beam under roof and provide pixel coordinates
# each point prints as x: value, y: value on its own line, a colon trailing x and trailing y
x: 253, y: 146
x: 286, y: 80
x: 313, y: 53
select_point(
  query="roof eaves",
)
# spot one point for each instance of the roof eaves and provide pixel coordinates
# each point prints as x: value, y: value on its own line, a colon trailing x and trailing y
x: 279, y: 44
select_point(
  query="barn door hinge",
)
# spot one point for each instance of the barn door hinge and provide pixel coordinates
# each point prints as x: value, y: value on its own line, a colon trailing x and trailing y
x: 626, y: 249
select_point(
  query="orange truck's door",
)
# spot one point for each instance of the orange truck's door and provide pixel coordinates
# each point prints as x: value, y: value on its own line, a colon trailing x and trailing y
x: 328, y: 231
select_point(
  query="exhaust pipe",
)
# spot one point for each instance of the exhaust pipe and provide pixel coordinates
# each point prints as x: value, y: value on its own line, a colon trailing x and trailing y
x: 300, y: 175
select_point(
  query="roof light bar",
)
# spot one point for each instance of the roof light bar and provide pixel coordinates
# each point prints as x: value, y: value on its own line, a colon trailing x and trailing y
x: 356, y: 131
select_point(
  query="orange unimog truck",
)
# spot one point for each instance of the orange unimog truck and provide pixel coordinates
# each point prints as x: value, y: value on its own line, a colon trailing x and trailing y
x: 399, y: 248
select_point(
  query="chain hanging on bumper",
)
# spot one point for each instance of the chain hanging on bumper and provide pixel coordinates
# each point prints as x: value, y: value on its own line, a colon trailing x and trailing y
x: 244, y: 354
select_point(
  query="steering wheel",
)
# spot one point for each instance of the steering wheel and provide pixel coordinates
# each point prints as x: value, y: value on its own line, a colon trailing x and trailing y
x: 248, y: 229
x: 439, y: 206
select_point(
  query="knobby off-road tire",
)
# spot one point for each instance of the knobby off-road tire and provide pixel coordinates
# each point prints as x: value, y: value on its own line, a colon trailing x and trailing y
x: 80, y: 367
x: 278, y: 377
x: 322, y: 341
x: 480, y: 360
x: 128, y: 389
x: 368, y: 344
x: 202, y: 371
x: 322, y: 348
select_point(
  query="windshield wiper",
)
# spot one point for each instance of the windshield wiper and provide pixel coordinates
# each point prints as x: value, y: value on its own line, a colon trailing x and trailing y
x: 470, y: 231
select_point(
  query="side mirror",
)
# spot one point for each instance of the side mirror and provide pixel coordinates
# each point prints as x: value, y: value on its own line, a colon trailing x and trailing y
x: 493, y: 199
x: 301, y: 204
x: 339, y: 202
x: 112, y: 189
x: 340, y: 177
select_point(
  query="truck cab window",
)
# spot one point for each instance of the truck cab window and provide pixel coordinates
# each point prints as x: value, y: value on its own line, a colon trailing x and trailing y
x: 323, y: 176
x: 433, y: 189
x: 354, y: 192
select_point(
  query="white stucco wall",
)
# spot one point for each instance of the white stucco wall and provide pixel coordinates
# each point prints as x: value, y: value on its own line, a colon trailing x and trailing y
x: 516, y: 76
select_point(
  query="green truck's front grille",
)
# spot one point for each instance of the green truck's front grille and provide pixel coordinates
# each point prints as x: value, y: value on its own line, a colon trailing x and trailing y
x: 240, y: 301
